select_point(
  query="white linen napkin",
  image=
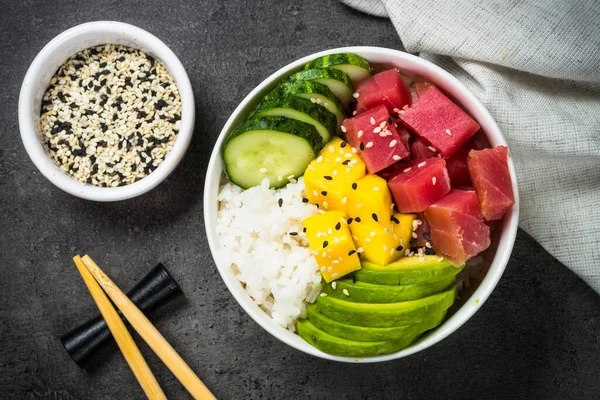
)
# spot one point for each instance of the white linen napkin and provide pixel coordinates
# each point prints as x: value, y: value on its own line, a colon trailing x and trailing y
x: 535, y: 65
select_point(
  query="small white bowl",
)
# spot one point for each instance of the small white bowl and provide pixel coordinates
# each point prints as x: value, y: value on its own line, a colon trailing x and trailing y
x: 45, y: 65
x: 470, y: 300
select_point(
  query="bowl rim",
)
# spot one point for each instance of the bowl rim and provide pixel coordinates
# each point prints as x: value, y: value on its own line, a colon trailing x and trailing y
x: 30, y: 136
x: 505, y: 242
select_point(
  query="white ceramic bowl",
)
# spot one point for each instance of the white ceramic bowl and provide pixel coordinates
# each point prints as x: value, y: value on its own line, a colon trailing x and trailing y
x: 470, y: 299
x: 45, y: 65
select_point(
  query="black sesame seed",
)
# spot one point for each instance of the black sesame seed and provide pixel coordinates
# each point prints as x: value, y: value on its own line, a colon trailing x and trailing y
x: 429, y: 251
x: 324, y: 193
x: 357, y: 219
x: 338, y: 226
x: 102, y: 64
x: 395, y: 116
x: 343, y: 144
x: 280, y: 202
x: 327, y: 177
x: 375, y: 218
x: 362, y: 146
x: 426, y: 236
x: 141, y: 114
x: 350, y: 220
x: 108, y: 90
x: 354, y: 186
x: 304, y: 200
x: 121, y: 59
x: 161, y: 104
x: 73, y: 105
x: 61, y: 97
x: 165, y: 84
x: 293, y: 233
x: 351, y: 252
x: 304, y: 230
x: 394, y: 219
x: 390, y: 121
x: 399, y: 248
x: 325, y: 243
x: 89, y: 112
x: 346, y: 162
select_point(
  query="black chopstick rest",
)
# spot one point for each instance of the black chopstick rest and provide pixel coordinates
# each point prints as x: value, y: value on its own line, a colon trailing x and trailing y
x: 154, y: 290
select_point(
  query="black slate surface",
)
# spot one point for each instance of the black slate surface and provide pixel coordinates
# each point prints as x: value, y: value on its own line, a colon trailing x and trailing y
x: 535, y: 338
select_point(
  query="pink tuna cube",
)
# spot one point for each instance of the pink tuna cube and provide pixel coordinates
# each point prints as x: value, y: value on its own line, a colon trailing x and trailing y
x: 456, y: 225
x: 419, y: 150
x: 373, y: 134
x: 420, y: 184
x: 439, y: 122
x: 488, y: 169
x: 385, y: 88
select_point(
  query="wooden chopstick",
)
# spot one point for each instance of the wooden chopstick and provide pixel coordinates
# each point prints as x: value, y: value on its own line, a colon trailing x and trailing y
x: 128, y: 347
x: 150, y: 334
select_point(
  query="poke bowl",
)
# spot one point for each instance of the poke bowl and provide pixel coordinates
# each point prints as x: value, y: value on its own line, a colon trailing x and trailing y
x: 344, y: 307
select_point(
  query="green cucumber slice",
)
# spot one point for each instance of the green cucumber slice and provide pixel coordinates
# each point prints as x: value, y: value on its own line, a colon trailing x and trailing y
x: 356, y: 67
x: 348, y: 348
x: 313, y: 91
x: 407, y: 271
x: 370, y: 334
x: 337, y: 81
x: 362, y: 292
x: 386, y: 315
x: 270, y: 147
x: 299, y: 109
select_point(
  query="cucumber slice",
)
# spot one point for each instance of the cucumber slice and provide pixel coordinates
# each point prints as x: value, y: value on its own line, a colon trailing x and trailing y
x: 337, y: 81
x: 299, y: 109
x: 355, y: 66
x: 270, y: 147
x: 312, y: 91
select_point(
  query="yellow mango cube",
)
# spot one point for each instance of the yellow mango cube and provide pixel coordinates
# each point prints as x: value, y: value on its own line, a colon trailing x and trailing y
x: 375, y: 242
x: 403, y: 229
x: 331, y: 244
x: 370, y: 201
x: 330, y: 176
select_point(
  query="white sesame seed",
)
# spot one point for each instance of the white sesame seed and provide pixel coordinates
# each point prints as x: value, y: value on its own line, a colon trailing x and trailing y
x: 414, y: 235
x: 375, y: 188
x: 334, y: 275
x: 396, y: 157
x: 315, y: 193
x: 448, y: 132
x: 360, y: 250
x: 393, y: 143
x: 372, y: 233
x: 290, y: 176
x: 406, y: 169
x: 396, y: 110
x: 338, y: 159
x: 279, y: 178
x: 428, y: 245
x: 377, y: 130
x: 355, y: 95
x: 263, y: 170
x: 313, y: 100
x: 323, y: 294
x: 367, y: 240
x: 359, y: 134
x: 330, y: 231
x: 344, y: 200
x: 412, y: 253
x: 422, y: 164
x: 334, y: 172
x: 372, y: 120
x: 325, y: 204
x: 369, y: 145
x: 433, y: 180
x: 319, y: 159
x: 440, y: 259
x: 329, y: 269
x: 322, y: 269
x: 331, y: 149
x: 345, y: 291
x: 334, y: 285
x: 432, y: 148
x: 354, y: 112
x: 354, y: 151
x: 335, y: 262
x: 343, y: 128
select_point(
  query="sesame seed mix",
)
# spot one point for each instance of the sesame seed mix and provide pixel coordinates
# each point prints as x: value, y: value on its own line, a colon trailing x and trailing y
x: 110, y: 115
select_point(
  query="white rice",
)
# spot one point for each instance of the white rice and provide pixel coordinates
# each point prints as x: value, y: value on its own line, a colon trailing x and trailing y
x: 277, y: 269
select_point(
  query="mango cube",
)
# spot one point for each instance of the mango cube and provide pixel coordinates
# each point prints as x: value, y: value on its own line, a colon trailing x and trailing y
x: 403, y: 229
x: 331, y: 243
x: 370, y: 200
x: 330, y: 176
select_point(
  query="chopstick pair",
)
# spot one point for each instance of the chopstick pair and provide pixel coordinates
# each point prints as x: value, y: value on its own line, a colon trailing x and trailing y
x: 94, y: 277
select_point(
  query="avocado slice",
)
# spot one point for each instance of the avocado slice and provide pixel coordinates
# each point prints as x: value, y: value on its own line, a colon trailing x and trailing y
x: 386, y: 315
x: 362, y: 292
x: 407, y: 271
x: 348, y: 348
x: 370, y: 334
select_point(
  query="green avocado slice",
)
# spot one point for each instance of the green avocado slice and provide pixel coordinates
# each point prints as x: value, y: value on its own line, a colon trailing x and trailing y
x: 348, y: 348
x: 371, y: 334
x: 407, y: 271
x: 386, y: 315
x: 362, y: 292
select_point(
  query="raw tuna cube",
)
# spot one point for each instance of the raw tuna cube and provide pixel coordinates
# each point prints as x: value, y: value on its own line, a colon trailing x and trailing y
x: 373, y: 134
x: 422, y: 231
x: 420, y: 151
x: 404, y: 135
x: 489, y: 172
x: 457, y: 229
x: 439, y: 122
x: 420, y: 184
x: 457, y: 167
x: 421, y: 88
x: 385, y: 88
